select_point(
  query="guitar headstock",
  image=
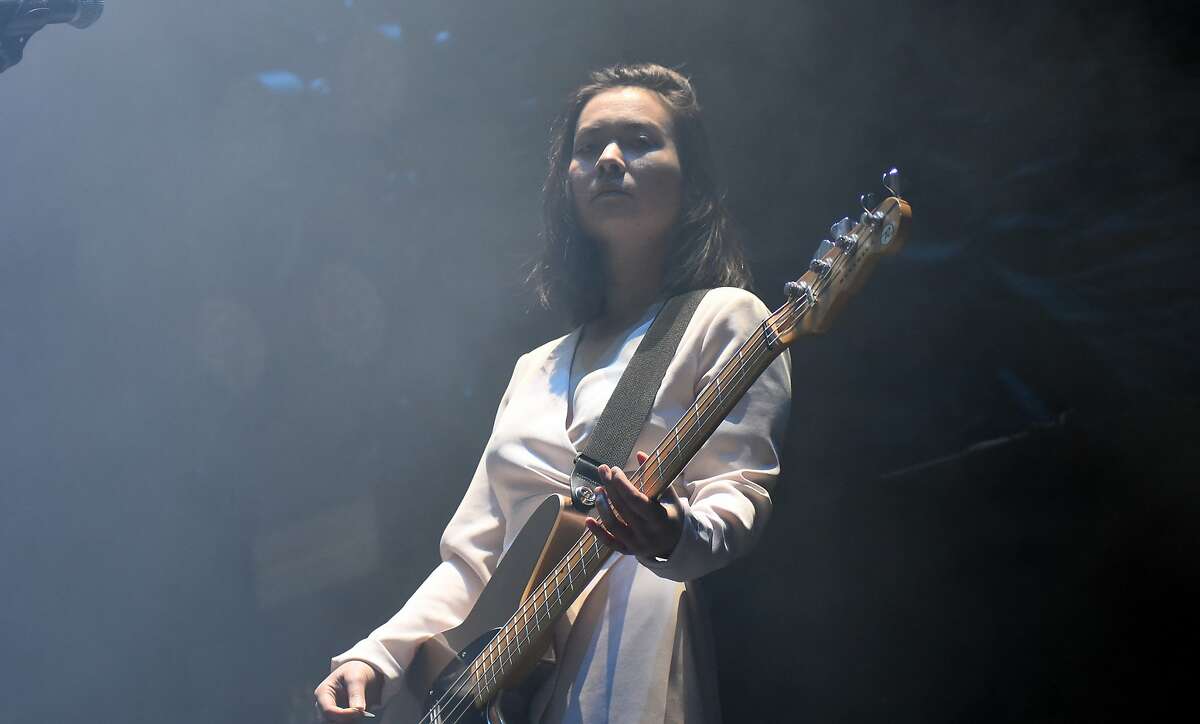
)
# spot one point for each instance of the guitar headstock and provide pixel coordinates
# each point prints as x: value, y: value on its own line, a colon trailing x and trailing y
x: 841, y: 266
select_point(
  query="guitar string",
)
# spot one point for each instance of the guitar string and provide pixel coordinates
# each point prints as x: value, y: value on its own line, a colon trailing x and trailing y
x: 589, y: 546
x: 717, y: 394
x: 464, y: 704
x: 756, y: 343
x: 793, y: 315
x: 794, y: 311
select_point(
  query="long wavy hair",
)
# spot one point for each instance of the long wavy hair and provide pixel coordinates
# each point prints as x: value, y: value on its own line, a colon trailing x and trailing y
x: 704, y: 249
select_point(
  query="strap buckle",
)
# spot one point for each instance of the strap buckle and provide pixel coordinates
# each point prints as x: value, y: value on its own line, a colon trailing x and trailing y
x: 584, y: 479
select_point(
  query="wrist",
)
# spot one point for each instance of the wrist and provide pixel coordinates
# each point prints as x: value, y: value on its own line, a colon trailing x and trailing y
x: 675, y: 526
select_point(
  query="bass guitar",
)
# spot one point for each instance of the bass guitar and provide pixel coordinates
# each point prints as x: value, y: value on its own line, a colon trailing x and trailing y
x: 475, y: 672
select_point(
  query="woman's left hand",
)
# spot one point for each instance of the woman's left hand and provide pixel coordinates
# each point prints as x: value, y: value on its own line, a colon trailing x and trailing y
x: 630, y: 522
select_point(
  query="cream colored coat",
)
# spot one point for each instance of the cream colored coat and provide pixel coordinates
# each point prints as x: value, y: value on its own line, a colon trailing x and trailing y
x: 635, y: 646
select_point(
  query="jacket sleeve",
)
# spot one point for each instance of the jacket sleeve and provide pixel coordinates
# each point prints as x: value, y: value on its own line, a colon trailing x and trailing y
x: 724, y: 492
x: 470, y: 548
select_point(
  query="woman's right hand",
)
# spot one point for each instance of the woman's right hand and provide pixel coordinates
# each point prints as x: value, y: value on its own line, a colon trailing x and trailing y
x: 345, y: 693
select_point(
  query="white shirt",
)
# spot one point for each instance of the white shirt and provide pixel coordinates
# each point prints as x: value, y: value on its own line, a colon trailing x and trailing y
x: 635, y: 645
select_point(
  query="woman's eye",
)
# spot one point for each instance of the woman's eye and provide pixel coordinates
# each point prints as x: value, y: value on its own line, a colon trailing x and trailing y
x: 585, y: 148
x: 642, y: 141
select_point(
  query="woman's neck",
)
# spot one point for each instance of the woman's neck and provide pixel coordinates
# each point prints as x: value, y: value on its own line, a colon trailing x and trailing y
x: 634, y: 283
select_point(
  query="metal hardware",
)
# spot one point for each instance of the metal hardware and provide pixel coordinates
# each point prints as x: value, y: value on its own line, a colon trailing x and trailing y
x: 772, y: 338
x: 823, y: 249
x: 842, y: 236
x: 809, y: 293
x: 820, y: 267
x: 801, y: 289
x: 867, y: 202
x: 869, y: 217
x: 584, y: 478
x: 841, y: 227
x: 893, y: 181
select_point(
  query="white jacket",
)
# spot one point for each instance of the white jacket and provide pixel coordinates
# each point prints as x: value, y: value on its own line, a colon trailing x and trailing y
x: 634, y: 647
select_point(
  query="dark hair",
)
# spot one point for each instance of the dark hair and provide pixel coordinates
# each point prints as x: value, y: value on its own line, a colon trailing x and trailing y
x: 705, y: 252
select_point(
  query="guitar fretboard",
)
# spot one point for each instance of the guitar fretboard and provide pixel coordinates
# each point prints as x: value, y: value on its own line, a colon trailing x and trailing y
x: 526, y: 633
x: 837, y: 267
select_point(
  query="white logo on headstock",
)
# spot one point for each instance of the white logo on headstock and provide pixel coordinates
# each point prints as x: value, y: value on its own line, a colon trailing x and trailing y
x: 888, y: 232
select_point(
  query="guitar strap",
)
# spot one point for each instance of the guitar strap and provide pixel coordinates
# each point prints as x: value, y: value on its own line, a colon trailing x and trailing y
x: 625, y: 414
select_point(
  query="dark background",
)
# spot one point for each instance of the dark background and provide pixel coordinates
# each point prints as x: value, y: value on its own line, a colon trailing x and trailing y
x: 260, y: 290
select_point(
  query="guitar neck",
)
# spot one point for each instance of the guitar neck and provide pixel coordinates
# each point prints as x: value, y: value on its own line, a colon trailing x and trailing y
x: 711, y: 407
x: 838, y: 268
x: 525, y: 634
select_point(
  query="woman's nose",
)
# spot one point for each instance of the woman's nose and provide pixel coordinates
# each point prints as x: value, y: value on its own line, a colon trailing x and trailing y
x: 610, y: 162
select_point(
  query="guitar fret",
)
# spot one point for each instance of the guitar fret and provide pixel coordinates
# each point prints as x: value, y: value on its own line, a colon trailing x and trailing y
x: 565, y: 581
x: 654, y: 472
x: 549, y: 599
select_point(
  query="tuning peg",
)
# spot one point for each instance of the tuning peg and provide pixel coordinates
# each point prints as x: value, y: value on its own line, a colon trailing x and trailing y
x: 867, y: 202
x: 823, y: 249
x: 869, y: 217
x: 841, y: 227
x: 893, y: 181
x: 819, y: 265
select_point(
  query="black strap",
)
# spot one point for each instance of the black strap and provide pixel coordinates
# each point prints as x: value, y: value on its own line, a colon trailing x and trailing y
x: 612, y: 439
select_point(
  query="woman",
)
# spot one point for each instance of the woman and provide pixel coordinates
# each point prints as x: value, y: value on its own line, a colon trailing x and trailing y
x: 632, y: 217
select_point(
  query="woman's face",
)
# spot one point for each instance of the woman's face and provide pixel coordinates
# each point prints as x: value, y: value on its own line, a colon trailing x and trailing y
x: 624, y: 175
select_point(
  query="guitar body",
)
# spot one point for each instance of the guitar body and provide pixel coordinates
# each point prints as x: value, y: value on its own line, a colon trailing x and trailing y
x: 550, y: 531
